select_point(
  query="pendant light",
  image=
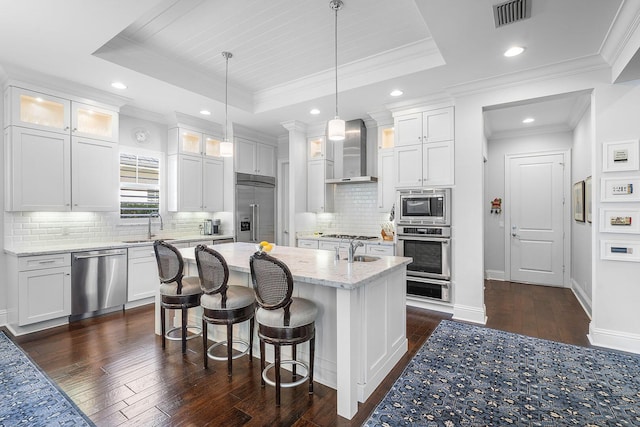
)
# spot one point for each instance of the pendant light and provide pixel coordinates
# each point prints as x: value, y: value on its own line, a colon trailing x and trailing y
x: 336, y: 127
x: 226, y: 147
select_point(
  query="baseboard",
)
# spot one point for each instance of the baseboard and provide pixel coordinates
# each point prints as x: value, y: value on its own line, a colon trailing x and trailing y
x: 494, y: 275
x: 4, y: 317
x: 614, y: 339
x: 470, y: 314
x: 582, y: 297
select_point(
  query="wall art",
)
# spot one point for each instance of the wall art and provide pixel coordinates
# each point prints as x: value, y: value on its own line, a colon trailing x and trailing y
x: 616, y: 250
x: 620, y: 156
x: 578, y: 201
x: 619, y: 220
x: 620, y: 189
x: 587, y: 199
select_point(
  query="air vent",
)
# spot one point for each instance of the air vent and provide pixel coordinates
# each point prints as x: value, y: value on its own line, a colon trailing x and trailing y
x: 511, y: 11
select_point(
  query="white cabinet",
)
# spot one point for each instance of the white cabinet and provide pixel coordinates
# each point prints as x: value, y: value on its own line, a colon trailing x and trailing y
x: 319, y: 194
x: 308, y: 243
x: 319, y: 148
x: 424, y: 148
x: 44, y: 134
x: 195, y: 171
x: 331, y: 245
x: 43, y: 288
x: 254, y: 157
x: 142, y: 281
x: 386, y: 180
x: 379, y: 249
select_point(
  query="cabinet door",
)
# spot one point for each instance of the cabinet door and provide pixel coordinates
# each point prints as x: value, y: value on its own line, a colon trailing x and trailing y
x: 408, y: 129
x: 189, y: 183
x: 143, y: 281
x: 90, y: 121
x: 39, y: 111
x: 408, y: 166
x: 210, y: 146
x: 95, y: 175
x: 319, y: 194
x: 386, y: 250
x: 38, y: 170
x: 213, y: 185
x: 318, y: 148
x: 437, y: 125
x: 437, y: 163
x: 44, y: 295
x: 245, y: 156
x: 189, y: 142
x: 386, y: 183
x: 309, y: 244
x: 265, y: 160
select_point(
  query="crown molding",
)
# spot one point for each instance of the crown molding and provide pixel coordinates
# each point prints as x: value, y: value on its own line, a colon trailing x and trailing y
x: 413, y: 57
x: 186, y: 120
x: 295, y: 126
x: 139, y: 113
x: 425, y: 103
x: 577, y: 112
x: 540, y: 130
x: 244, y: 132
x: 623, y: 39
x: 381, y: 117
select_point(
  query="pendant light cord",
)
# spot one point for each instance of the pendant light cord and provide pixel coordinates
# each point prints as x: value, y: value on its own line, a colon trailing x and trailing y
x: 337, y: 6
x: 227, y: 55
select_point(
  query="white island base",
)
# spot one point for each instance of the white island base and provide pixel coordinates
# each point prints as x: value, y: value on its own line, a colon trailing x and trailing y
x: 361, y: 323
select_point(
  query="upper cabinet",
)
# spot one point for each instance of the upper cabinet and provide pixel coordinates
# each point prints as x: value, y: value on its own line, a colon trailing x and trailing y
x: 319, y: 148
x: 37, y: 110
x: 254, y: 158
x: 423, y: 151
x: 194, y: 142
x: 60, y: 155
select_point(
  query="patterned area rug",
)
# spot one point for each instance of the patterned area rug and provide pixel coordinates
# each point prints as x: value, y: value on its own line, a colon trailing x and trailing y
x: 28, y: 397
x: 468, y: 375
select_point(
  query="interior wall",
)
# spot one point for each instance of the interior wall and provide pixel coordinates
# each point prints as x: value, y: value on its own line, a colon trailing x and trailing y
x: 497, y: 150
x: 3, y: 276
x: 581, y: 231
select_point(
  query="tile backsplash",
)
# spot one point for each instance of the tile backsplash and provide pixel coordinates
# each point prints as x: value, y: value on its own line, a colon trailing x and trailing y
x: 36, y: 228
x: 355, y: 211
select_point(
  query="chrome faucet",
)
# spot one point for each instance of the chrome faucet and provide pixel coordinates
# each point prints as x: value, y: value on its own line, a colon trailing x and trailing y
x: 154, y: 214
x: 353, y: 246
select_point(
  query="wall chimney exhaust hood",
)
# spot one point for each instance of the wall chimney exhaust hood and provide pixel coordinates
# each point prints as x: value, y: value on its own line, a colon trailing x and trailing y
x: 350, y: 165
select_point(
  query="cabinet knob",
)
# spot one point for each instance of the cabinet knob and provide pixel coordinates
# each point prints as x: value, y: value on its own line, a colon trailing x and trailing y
x: 75, y: 129
x: 66, y: 128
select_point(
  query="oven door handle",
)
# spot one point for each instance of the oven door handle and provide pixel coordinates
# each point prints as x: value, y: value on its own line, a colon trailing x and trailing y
x: 444, y: 240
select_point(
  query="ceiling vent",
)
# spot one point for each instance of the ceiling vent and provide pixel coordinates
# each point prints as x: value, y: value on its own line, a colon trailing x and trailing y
x: 511, y: 11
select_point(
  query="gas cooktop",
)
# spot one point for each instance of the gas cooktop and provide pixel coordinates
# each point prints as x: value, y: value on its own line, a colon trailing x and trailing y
x: 348, y: 236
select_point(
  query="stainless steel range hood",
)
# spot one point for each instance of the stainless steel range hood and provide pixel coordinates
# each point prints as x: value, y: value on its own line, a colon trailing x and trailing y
x: 351, y: 156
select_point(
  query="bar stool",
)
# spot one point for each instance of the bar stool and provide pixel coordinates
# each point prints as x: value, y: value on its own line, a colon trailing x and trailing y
x: 282, y: 320
x: 176, y: 291
x: 223, y: 305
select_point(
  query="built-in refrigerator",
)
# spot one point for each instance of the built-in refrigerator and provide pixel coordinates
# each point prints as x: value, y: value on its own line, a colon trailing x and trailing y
x: 255, y: 208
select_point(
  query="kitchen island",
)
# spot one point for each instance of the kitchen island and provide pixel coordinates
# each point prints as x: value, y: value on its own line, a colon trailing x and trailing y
x: 361, y: 324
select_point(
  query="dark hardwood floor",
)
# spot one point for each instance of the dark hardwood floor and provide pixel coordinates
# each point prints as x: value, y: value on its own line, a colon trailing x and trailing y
x: 114, y: 367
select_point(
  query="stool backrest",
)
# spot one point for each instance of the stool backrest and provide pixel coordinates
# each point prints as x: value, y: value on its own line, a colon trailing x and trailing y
x: 272, y: 282
x: 170, y: 263
x: 213, y: 272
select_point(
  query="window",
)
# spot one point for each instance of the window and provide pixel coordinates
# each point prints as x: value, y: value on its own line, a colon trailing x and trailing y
x: 139, y: 185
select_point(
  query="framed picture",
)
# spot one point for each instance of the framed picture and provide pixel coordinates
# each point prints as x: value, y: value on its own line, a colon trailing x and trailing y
x: 613, y: 250
x: 620, y: 156
x: 587, y: 198
x: 578, y: 201
x: 620, y: 189
x: 620, y: 220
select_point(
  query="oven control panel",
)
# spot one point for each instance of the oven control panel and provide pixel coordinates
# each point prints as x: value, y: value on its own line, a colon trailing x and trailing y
x: 425, y: 231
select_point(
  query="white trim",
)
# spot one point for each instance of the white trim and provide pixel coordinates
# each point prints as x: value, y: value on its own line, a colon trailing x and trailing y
x: 582, y: 297
x: 567, y: 187
x: 4, y: 317
x: 494, y: 275
x: 429, y: 304
x: 466, y: 313
x: 614, y: 339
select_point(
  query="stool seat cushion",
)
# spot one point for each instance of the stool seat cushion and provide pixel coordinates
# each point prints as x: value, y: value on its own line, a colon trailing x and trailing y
x: 190, y: 286
x: 237, y: 297
x: 302, y: 312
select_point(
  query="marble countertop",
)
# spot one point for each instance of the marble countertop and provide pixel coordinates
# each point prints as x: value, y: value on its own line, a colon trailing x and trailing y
x: 312, y: 266
x: 72, y: 246
x: 312, y: 236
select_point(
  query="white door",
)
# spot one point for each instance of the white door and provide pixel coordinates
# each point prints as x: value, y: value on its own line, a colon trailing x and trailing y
x: 536, y: 218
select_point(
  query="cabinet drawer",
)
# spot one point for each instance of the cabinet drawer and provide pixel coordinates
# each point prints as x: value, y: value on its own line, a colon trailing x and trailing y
x: 380, y: 250
x: 141, y: 252
x: 309, y: 244
x: 38, y: 262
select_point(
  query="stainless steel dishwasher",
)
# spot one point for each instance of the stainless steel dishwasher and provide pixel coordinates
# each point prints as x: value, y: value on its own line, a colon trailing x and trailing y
x: 98, y: 282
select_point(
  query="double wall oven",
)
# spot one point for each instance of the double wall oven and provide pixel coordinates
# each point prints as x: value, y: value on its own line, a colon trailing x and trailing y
x: 424, y: 234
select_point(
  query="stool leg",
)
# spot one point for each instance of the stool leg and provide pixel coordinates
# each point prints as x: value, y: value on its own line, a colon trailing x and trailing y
x: 205, y: 339
x: 312, y: 349
x: 184, y: 330
x: 262, y: 364
x: 277, y: 354
x: 163, y: 325
x: 251, y: 326
x: 229, y: 348
x: 294, y: 357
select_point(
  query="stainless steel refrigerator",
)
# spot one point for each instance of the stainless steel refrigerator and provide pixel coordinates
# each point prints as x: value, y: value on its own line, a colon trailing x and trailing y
x: 255, y: 208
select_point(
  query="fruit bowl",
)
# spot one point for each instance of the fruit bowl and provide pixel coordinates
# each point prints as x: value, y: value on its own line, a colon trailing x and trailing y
x: 266, y: 247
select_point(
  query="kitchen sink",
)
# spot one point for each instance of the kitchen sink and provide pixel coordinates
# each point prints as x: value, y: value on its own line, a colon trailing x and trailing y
x: 363, y: 258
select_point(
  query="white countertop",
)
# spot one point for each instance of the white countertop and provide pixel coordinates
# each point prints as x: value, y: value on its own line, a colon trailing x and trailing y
x: 312, y: 266
x: 310, y: 236
x: 71, y: 246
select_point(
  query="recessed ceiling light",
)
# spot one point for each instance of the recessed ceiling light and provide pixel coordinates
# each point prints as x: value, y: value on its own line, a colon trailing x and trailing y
x: 205, y: 112
x: 314, y: 111
x: 118, y: 85
x: 396, y: 92
x: 529, y: 120
x: 514, y: 51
